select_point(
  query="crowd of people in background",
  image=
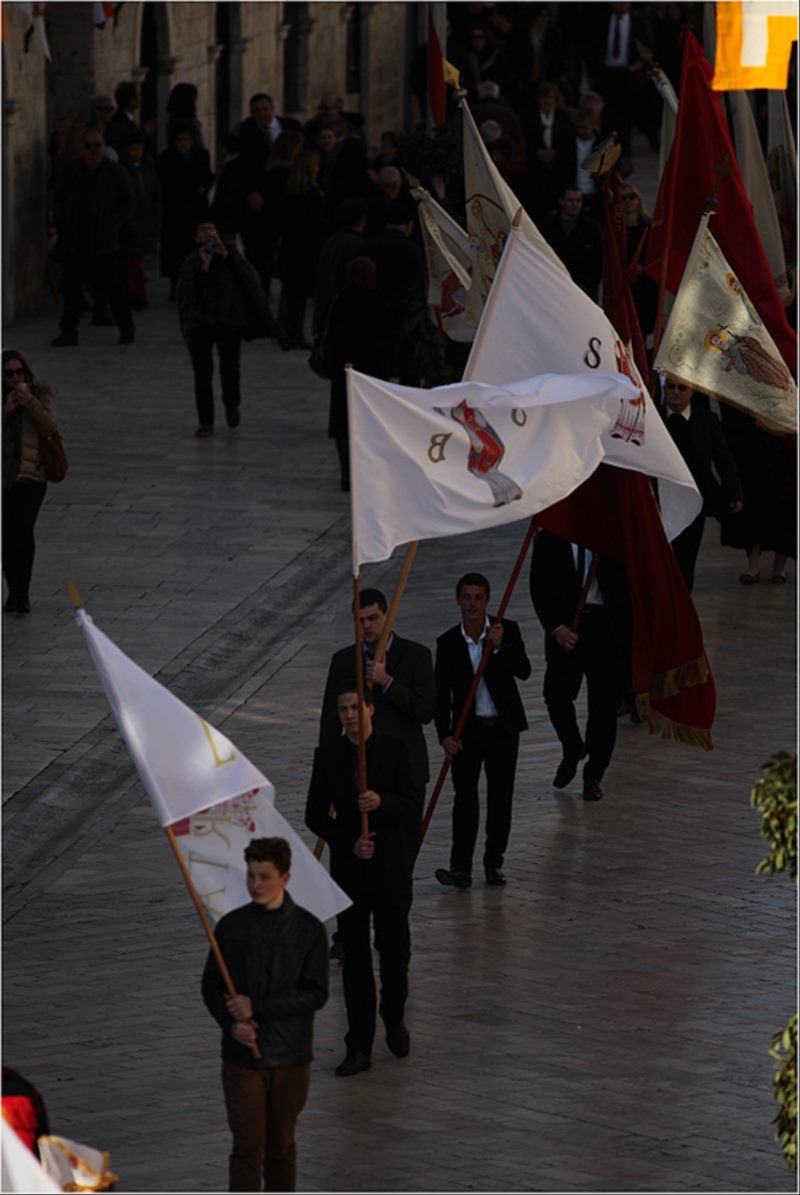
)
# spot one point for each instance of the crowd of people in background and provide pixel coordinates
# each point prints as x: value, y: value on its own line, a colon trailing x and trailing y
x: 308, y: 234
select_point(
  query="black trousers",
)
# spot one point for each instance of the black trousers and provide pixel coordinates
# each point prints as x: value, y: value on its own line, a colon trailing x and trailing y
x: 21, y: 505
x: 686, y: 547
x: 107, y: 278
x: 487, y: 745
x: 201, y: 343
x: 596, y: 656
x: 388, y: 910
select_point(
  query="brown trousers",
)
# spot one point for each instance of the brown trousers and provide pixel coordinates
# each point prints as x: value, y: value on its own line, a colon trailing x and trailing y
x: 263, y: 1107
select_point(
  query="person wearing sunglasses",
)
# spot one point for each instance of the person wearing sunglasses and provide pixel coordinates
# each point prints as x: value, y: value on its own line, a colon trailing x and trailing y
x: 93, y: 204
x: 27, y: 415
x: 700, y: 440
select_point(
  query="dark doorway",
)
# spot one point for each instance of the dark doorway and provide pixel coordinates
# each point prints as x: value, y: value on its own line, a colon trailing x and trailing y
x: 294, y: 85
x: 148, y: 56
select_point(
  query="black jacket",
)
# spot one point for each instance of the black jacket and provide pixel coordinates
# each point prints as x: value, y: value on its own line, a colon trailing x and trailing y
x: 555, y: 586
x: 396, y: 822
x: 701, y: 442
x: 280, y: 960
x: 454, y: 676
x: 228, y: 293
x: 400, y: 712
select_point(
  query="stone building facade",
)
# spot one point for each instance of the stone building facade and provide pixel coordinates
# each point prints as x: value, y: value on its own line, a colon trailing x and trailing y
x: 228, y: 50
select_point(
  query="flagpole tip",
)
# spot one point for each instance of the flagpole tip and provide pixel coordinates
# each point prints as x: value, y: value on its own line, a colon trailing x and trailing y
x: 515, y: 223
x: 74, y: 595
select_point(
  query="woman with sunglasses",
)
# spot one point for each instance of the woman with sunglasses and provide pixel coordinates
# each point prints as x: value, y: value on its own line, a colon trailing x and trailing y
x: 27, y: 415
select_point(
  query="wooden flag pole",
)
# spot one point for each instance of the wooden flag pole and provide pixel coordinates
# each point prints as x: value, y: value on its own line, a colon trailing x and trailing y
x: 462, y: 718
x: 411, y: 552
x: 198, y: 904
x: 362, y: 746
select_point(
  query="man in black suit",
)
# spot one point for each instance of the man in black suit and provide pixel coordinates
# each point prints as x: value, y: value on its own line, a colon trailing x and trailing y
x: 491, y: 733
x: 374, y: 870
x: 256, y: 135
x: 402, y: 684
x: 577, y: 240
x: 401, y: 286
x: 599, y: 650
x: 701, y: 442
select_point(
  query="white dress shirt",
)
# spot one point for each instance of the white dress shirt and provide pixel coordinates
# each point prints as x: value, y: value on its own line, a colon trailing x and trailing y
x: 484, y: 706
x: 620, y: 58
x: 594, y: 596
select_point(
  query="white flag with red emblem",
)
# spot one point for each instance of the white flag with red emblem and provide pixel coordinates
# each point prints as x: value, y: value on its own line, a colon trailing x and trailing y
x: 202, y: 786
x: 449, y: 264
x: 466, y: 457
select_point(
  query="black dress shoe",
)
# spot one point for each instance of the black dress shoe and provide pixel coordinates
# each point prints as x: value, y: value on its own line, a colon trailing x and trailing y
x: 495, y: 877
x: 398, y: 1040
x: 453, y: 879
x: 11, y: 605
x: 592, y: 790
x: 354, y: 1064
x: 127, y: 336
x: 567, y: 768
x: 232, y: 416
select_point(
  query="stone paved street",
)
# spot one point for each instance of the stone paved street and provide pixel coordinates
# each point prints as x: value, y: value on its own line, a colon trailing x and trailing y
x: 600, y: 1025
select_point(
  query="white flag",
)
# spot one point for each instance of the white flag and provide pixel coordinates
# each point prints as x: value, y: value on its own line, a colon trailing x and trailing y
x: 757, y: 184
x: 200, y: 783
x: 468, y: 457
x: 185, y: 764
x: 21, y: 1171
x: 76, y: 1167
x: 449, y: 263
x: 540, y: 322
x: 716, y: 341
x: 491, y: 208
x: 35, y: 14
x: 782, y: 168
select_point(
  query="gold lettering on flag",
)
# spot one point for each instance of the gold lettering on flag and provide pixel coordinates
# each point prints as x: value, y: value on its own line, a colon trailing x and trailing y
x: 519, y: 416
x: 438, y: 443
x: 218, y: 762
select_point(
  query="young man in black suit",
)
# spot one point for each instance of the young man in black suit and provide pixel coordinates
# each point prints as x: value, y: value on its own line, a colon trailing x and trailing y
x: 403, y: 691
x: 599, y: 650
x: 374, y: 870
x: 490, y: 739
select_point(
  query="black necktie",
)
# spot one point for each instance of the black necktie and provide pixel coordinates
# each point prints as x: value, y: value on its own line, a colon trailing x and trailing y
x: 616, y: 42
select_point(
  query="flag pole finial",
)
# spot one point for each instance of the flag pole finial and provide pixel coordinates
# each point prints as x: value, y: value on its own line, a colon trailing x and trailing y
x: 74, y: 595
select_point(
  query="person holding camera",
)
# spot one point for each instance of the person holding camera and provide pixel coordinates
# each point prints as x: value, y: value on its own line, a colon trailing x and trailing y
x: 220, y: 301
x: 27, y: 416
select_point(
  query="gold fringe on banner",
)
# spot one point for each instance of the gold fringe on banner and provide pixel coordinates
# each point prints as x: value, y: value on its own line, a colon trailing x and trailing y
x: 657, y: 723
x: 685, y: 676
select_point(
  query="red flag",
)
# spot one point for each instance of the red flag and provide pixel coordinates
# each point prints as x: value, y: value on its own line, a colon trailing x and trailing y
x: 614, y: 513
x: 702, y: 161
x: 618, y: 274
x: 437, y: 100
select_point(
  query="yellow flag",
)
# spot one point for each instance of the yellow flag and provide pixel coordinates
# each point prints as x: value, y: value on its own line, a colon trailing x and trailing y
x: 754, y: 43
x: 451, y: 76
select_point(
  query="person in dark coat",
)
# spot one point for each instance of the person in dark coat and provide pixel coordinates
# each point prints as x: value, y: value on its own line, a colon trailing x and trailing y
x: 699, y: 439
x: 337, y: 251
x: 548, y: 136
x: 400, y: 264
x: 185, y: 175
x: 374, y: 869
x: 490, y: 738
x: 140, y: 235
x: 92, y: 204
x: 598, y: 650
x: 768, y: 471
x: 182, y: 111
x: 264, y: 229
x: 219, y: 299
x: 301, y: 233
x: 276, y: 954
x: 576, y: 239
x: 357, y: 334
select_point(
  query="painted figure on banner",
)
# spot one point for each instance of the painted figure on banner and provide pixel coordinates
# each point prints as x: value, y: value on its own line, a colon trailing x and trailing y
x: 485, y: 453
x: 749, y: 357
x: 630, y: 421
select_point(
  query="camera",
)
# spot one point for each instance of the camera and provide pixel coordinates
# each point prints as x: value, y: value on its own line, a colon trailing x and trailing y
x: 210, y: 244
